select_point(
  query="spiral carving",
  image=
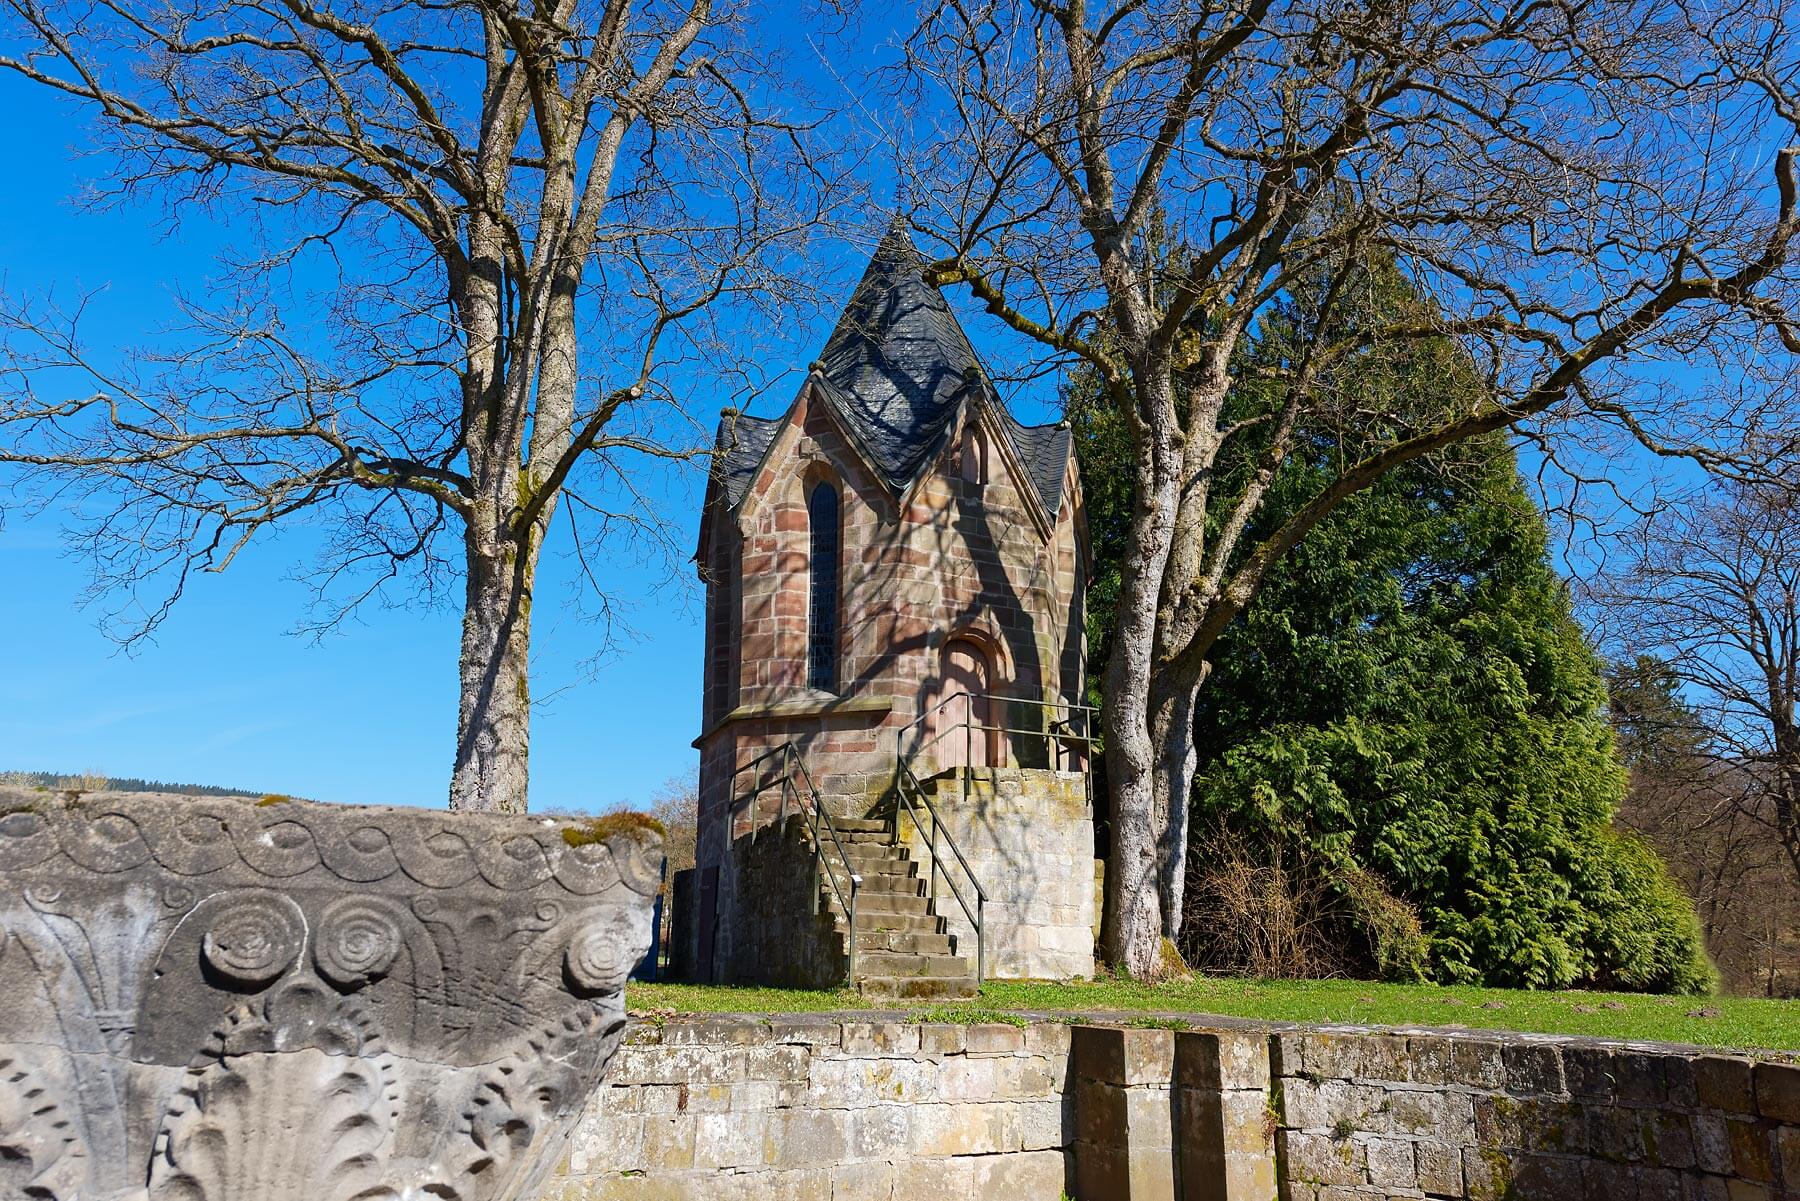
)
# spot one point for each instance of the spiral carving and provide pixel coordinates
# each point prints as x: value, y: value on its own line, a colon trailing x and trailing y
x: 255, y: 940
x: 357, y: 942
x: 598, y: 960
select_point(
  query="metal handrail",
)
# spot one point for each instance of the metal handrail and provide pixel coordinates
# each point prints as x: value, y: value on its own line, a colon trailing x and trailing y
x: 790, y: 760
x: 1048, y: 732
x: 979, y: 917
x: 905, y: 774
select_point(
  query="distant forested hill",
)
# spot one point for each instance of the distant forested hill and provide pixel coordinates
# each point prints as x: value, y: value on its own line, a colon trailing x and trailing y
x: 97, y: 783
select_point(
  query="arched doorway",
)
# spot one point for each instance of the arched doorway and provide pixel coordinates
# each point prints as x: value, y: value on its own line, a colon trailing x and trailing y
x: 963, y: 726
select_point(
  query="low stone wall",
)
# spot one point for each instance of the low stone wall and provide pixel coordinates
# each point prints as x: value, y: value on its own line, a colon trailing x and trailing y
x: 825, y: 1109
x: 842, y: 1108
x: 777, y: 933
x: 1365, y: 1116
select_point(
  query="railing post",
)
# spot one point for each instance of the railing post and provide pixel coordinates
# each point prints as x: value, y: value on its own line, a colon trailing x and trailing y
x: 931, y: 886
x: 851, y: 964
x: 980, y: 935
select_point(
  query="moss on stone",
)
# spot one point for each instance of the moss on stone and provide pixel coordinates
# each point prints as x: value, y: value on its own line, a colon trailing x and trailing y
x: 274, y: 798
x: 610, y: 825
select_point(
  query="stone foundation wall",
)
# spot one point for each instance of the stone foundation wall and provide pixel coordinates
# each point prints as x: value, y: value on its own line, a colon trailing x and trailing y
x: 1028, y: 835
x: 1367, y: 1116
x: 822, y: 1109
x: 826, y: 1108
x: 778, y: 933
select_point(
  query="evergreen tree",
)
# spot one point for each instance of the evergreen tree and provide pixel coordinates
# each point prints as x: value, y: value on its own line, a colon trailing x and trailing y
x: 1403, y: 745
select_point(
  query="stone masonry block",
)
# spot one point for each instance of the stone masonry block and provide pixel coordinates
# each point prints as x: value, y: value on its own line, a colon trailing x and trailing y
x: 669, y: 1142
x: 1778, y: 1092
x: 1321, y: 1159
x: 1712, y: 1143
x: 995, y: 1038
x: 1668, y: 1139
x: 1724, y: 1084
x: 1149, y: 1118
x: 1589, y: 1073
x: 1436, y: 1113
x: 1475, y: 1063
x: 1019, y: 1076
x: 1044, y: 1125
x: 805, y: 1032
x: 1287, y: 1053
x: 1534, y: 1069
x: 1221, y: 1059
x: 964, y: 1129
x: 1048, y: 1038
x: 1439, y: 1167
x: 1751, y: 1157
x: 729, y: 1140
x: 1390, y: 1162
x: 796, y: 1138
x: 941, y: 1039
x: 1224, y: 1148
x: 1613, y: 1134
x: 1546, y: 1178
x: 1638, y: 1077
x: 1100, y: 1113
x: 1123, y: 1056
x: 965, y: 1079
x: 878, y: 1131
x: 1030, y: 1174
x: 934, y: 1180
x: 862, y: 1182
x: 724, y: 1031
x: 1787, y: 1156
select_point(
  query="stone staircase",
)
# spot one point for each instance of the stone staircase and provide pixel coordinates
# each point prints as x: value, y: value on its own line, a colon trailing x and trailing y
x: 902, y: 949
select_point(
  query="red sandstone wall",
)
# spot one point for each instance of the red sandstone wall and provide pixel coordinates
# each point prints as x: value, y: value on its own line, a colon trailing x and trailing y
x: 962, y: 558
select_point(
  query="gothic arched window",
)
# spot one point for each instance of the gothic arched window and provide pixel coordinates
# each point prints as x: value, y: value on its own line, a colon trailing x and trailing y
x: 821, y: 634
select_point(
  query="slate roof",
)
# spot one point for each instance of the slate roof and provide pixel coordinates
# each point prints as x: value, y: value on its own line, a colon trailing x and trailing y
x: 896, y: 369
x: 739, y: 448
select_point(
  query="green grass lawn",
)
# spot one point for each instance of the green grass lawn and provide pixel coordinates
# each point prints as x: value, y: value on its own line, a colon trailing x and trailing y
x: 1733, y: 1022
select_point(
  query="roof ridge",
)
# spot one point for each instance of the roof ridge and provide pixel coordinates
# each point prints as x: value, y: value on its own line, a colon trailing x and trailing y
x: 897, y: 368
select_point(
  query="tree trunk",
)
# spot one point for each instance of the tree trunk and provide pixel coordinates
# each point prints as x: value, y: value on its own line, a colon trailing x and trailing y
x: 1132, y: 927
x: 1177, y: 757
x: 493, y: 722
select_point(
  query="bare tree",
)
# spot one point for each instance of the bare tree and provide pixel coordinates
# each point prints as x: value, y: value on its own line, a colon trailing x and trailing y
x: 512, y: 221
x: 676, y: 804
x: 1576, y: 187
x: 1708, y: 817
x: 1712, y: 589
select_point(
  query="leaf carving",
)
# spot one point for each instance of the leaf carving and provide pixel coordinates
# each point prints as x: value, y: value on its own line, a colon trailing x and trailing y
x: 314, y: 1122
x: 42, y: 1157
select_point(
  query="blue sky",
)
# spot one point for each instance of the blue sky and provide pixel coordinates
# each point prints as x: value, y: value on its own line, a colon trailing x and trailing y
x: 225, y: 694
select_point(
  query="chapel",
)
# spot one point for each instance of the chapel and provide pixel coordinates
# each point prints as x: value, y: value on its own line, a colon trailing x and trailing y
x: 894, y: 571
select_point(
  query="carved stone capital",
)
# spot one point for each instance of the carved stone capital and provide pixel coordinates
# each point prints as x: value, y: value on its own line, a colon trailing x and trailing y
x: 220, y: 1001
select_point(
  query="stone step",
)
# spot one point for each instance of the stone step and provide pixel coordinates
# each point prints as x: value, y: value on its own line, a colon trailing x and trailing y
x: 860, y: 825
x: 885, y: 867
x: 907, y: 923
x: 882, y: 902
x: 866, y: 853
x: 906, y: 942
x: 887, y: 884
x: 918, y: 987
x: 897, y: 964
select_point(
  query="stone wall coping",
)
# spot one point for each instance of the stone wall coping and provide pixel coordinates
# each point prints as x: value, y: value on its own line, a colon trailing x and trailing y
x: 804, y: 704
x: 810, y: 1026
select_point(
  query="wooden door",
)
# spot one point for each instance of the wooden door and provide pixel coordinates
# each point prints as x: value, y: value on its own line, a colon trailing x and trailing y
x: 967, y: 685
